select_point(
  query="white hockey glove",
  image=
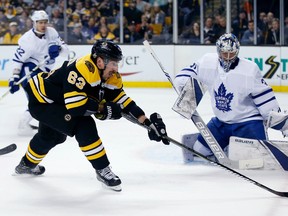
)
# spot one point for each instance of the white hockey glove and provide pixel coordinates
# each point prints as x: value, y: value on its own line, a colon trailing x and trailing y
x: 278, y: 121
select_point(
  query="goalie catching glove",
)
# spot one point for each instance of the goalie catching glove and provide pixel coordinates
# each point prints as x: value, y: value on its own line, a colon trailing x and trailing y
x: 157, y: 128
x: 109, y: 110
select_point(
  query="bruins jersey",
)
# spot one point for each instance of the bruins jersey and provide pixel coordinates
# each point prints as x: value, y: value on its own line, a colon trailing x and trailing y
x: 79, y: 87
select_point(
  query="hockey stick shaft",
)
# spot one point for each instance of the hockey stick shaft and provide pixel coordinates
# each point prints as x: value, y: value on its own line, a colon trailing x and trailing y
x: 279, y: 193
x: 197, y: 120
x: 26, y: 76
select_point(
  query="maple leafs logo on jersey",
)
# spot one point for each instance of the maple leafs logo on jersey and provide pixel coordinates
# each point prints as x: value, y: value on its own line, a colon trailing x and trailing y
x: 222, y: 99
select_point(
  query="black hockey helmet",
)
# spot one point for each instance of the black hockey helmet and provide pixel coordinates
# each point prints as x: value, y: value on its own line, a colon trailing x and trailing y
x: 106, y: 50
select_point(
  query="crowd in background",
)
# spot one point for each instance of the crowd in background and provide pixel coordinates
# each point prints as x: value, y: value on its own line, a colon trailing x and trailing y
x: 91, y: 20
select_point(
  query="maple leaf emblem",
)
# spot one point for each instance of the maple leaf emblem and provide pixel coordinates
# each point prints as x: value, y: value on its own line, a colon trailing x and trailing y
x: 222, y: 99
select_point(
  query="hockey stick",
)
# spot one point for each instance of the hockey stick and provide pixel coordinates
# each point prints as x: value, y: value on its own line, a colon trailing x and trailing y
x: 26, y: 76
x: 8, y: 149
x: 279, y: 193
x: 205, y: 132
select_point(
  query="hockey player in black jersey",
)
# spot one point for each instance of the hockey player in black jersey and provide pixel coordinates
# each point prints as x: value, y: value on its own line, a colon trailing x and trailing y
x: 64, y: 101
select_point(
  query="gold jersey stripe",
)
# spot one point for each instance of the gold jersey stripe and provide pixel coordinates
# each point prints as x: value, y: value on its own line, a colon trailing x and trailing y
x: 33, y: 157
x: 35, y: 91
x: 91, y: 146
x: 35, y: 154
x: 74, y: 93
x: 76, y: 104
x: 119, y: 96
x: 42, y: 88
x: 127, y: 102
x: 31, y: 160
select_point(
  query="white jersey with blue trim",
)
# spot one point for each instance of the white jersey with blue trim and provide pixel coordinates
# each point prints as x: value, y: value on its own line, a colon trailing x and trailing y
x: 35, y: 49
x: 236, y: 96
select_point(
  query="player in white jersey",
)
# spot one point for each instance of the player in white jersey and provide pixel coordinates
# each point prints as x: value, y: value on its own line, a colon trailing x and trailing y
x: 39, y: 46
x: 241, y: 100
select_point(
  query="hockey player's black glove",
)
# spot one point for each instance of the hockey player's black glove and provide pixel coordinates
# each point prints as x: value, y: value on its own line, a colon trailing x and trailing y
x: 157, y: 128
x: 110, y: 111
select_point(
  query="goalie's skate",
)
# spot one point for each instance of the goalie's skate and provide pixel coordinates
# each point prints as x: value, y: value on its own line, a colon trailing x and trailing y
x: 109, y: 179
x: 22, y: 169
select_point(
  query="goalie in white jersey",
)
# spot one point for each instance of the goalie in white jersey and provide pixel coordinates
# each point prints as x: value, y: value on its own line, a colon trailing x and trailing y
x: 39, y: 46
x: 241, y: 100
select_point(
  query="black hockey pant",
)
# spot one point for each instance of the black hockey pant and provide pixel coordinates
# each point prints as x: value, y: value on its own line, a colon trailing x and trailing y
x: 55, y: 123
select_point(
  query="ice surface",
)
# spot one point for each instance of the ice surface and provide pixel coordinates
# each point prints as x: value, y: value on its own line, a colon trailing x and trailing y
x: 155, y: 180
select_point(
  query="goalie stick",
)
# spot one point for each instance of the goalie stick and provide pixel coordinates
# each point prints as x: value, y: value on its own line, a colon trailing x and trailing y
x: 26, y: 76
x: 206, y: 133
x: 279, y: 193
x: 8, y: 149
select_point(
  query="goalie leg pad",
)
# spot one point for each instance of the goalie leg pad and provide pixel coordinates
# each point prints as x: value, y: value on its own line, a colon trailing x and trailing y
x: 189, y: 141
x: 274, y: 153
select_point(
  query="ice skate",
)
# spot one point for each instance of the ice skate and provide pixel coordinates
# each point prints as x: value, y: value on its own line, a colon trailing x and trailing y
x: 109, y: 179
x: 22, y: 168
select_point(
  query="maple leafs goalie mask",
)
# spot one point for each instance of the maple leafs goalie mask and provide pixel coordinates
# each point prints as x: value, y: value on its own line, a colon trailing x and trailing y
x: 227, y: 48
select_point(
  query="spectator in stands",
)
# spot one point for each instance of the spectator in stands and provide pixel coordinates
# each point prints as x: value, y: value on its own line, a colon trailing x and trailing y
x: 105, y: 8
x: 144, y: 28
x: 132, y: 13
x: 158, y: 15
x: 76, y: 36
x: 28, y: 25
x: 94, y: 12
x: 134, y: 36
x: 209, y: 32
x: 2, y: 31
x: 51, y: 5
x: 20, y: 3
x: 90, y: 29
x: 71, y: 6
x: 57, y: 20
x: 192, y: 35
x: 286, y: 31
x: 21, y: 16
x: 273, y: 36
x: 240, y: 25
x: 102, y: 22
x: 248, y: 36
x: 148, y: 12
x: 270, y: 17
x: 12, y: 36
x: 262, y: 22
x: 220, y: 29
x: 37, y: 5
x: 104, y: 34
x: 79, y: 8
x: 11, y: 14
x: 75, y: 19
x: 140, y: 5
x: 3, y: 18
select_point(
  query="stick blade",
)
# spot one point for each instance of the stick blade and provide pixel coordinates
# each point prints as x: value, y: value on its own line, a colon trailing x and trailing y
x: 8, y: 149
